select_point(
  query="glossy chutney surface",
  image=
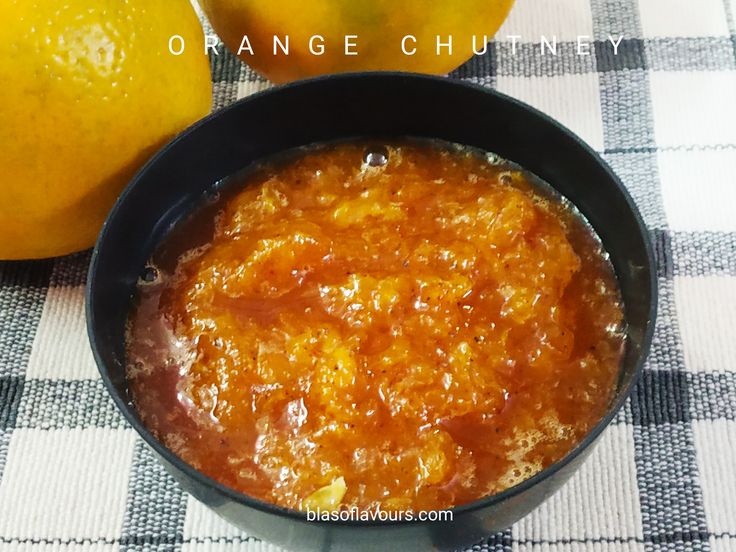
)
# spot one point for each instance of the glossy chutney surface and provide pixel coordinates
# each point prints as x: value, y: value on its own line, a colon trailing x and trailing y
x: 412, y: 329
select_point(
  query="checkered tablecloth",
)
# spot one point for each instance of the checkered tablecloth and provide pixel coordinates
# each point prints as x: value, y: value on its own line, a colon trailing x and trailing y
x: 74, y: 476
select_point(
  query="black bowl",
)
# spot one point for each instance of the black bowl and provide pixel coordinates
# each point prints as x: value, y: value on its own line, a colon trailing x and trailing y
x: 359, y: 105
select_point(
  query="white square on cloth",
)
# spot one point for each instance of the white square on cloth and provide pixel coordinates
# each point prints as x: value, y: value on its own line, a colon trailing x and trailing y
x: 722, y: 543
x: 61, y: 349
x: 682, y: 18
x: 717, y: 474
x: 706, y: 310
x: 203, y: 529
x: 694, y: 108
x: 248, y: 87
x: 225, y: 546
x: 86, y: 546
x: 600, y: 501
x: 66, y: 483
x: 574, y: 100
x: 566, y: 19
x: 699, y: 189
x: 201, y: 522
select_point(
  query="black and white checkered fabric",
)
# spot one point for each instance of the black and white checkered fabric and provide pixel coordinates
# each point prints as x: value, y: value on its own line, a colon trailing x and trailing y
x: 74, y: 476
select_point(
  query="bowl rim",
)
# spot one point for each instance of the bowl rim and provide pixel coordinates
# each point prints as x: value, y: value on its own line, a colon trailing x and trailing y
x: 171, y: 458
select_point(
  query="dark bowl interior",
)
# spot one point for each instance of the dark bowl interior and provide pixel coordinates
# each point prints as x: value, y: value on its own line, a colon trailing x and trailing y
x: 363, y: 105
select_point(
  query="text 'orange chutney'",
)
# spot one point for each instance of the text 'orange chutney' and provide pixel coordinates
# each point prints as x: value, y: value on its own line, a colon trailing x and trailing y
x: 411, y: 329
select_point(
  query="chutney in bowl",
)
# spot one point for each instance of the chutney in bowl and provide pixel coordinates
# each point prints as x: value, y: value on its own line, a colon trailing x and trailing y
x: 370, y: 347
x: 355, y: 316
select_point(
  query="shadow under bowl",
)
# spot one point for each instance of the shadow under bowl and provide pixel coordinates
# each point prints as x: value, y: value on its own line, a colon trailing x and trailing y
x: 380, y: 105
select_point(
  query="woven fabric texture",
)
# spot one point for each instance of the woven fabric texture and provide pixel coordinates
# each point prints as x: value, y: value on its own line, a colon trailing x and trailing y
x: 660, y: 106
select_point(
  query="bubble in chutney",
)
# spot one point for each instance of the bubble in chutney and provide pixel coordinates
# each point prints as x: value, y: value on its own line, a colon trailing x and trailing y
x: 376, y: 156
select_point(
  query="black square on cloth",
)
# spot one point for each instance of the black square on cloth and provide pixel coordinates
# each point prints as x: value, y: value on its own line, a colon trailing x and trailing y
x: 479, y: 67
x: 11, y: 390
x: 23, y: 287
x: 630, y: 55
x: 661, y: 397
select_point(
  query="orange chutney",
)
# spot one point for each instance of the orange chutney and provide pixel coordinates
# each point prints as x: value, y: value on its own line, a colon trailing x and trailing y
x: 411, y: 329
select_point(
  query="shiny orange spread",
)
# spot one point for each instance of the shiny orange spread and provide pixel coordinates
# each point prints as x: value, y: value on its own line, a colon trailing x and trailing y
x: 409, y: 335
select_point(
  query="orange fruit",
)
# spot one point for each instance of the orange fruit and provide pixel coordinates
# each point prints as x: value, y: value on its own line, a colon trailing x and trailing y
x: 380, y: 27
x: 89, y: 91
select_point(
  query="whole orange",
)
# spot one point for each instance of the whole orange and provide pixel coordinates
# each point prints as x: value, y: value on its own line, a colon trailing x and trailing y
x: 376, y: 32
x: 89, y: 90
